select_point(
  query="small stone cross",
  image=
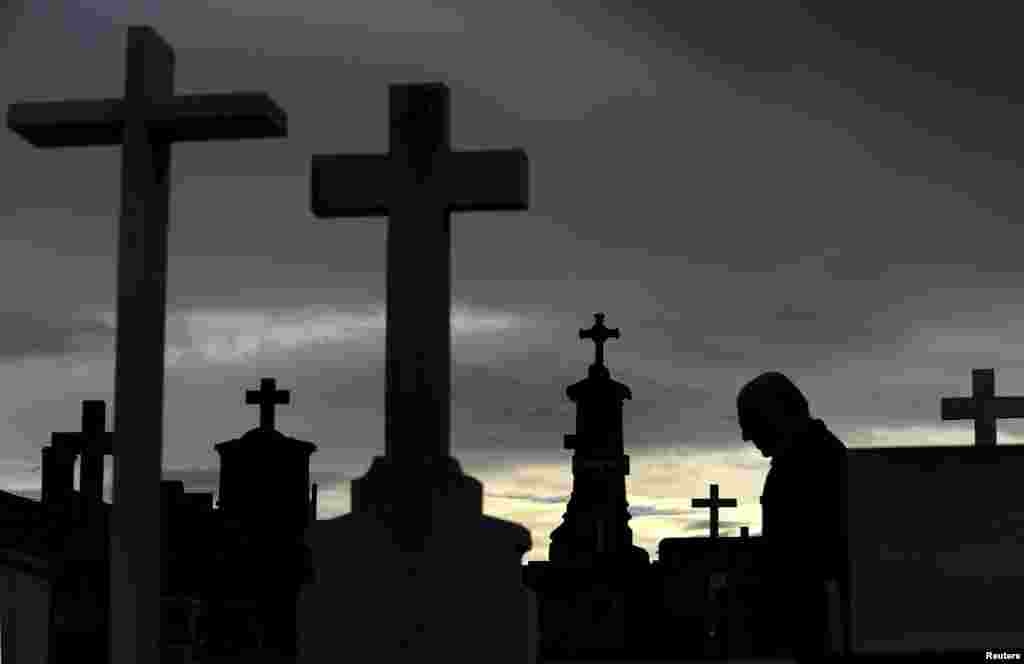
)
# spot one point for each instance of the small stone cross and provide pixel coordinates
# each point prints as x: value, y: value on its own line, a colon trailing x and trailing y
x: 267, y: 397
x: 714, y: 503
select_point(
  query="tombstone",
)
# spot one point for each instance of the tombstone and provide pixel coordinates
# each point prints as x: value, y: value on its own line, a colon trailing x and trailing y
x: 145, y: 123
x: 934, y: 550
x: 708, y: 591
x: 983, y: 406
x: 416, y: 572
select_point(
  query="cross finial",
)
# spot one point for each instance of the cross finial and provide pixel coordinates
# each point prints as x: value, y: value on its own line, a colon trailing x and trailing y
x: 599, y: 334
x: 266, y: 398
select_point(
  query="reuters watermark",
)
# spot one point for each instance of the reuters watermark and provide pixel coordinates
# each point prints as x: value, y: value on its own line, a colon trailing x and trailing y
x: 1001, y: 655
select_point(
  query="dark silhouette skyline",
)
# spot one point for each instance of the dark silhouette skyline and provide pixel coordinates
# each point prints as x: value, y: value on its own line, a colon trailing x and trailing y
x: 419, y: 369
x: 879, y: 352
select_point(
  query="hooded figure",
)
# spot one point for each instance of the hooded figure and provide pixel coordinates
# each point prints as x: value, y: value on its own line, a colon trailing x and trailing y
x: 802, y: 506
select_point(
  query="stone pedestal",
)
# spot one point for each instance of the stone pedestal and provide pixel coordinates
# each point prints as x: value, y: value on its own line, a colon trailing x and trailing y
x: 417, y: 573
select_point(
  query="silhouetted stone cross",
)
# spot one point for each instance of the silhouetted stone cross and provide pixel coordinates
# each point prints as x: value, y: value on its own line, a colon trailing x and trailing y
x: 145, y: 123
x: 599, y: 334
x: 983, y: 406
x: 91, y: 443
x: 267, y: 397
x: 417, y: 184
x: 714, y: 502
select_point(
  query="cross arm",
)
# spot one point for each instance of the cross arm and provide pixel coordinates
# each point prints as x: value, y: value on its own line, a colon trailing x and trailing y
x: 351, y: 185
x: 74, y: 440
x: 227, y: 116
x: 59, y: 124
x: 488, y: 180
x: 965, y: 408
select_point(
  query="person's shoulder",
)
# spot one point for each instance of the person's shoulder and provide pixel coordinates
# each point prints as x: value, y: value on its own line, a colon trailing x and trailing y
x: 831, y: 441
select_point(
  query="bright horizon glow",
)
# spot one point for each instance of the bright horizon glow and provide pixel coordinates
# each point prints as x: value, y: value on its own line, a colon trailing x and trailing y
x: 659, y: 488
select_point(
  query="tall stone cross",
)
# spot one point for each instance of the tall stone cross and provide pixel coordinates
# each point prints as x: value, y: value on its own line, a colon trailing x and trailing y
x: 599, y: 334
x: 267, y: 397
x: 418, y: 184
x: 92, y: 443
x: 714, y: 503
x: 145, y: 122
x: 983, y: 406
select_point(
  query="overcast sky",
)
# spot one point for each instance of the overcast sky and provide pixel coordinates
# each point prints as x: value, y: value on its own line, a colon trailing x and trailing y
x: 758, y: 186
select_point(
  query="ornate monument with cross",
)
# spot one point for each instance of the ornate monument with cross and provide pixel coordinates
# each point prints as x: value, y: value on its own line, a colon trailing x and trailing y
x: 593, y: 588
x: 146, y: 122
x: 417, y: 518
x: 983, y: 406
x: 595, y: 525
x: 264, y: 502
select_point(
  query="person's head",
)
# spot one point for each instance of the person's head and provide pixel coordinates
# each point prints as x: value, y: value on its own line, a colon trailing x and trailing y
x: 772, y: 411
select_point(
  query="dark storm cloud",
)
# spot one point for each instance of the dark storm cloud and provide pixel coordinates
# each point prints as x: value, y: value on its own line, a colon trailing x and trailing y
x: 10, y: 12
x: 494, y: 394
x: 985, y: 51
x: 924, y: 89
x: 787, y: 334
x: 24, y: 334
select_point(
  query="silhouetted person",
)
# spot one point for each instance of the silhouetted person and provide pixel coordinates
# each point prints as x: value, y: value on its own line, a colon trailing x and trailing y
x: 802, y: 513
